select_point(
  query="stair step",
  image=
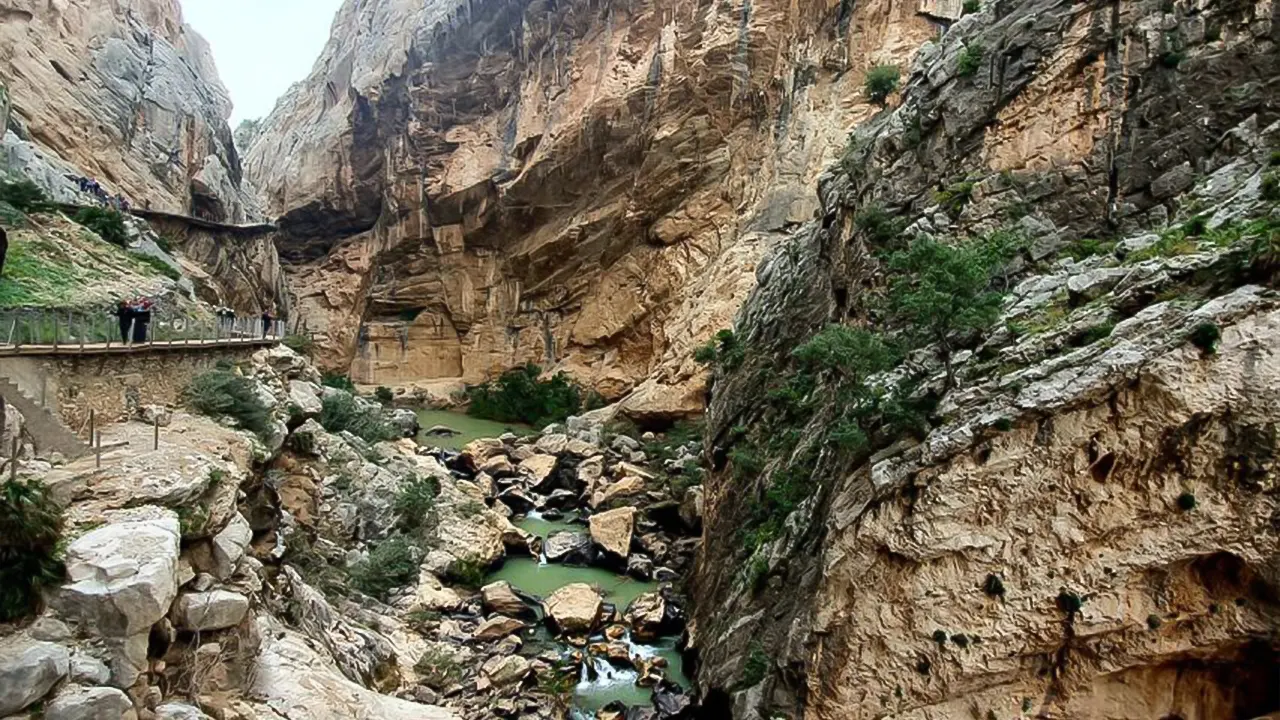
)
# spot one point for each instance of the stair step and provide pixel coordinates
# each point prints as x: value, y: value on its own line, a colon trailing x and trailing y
x: 50, y: 434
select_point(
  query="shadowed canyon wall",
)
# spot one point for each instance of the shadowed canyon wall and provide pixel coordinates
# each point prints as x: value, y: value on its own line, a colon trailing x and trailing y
x: 466, y: 187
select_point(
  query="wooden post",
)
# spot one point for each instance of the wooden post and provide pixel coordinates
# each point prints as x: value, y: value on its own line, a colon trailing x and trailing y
x: 93, y: 423
x: 44, y: 390
x: 97, y: 444
x: 82, y: 334
x: 13, y: 461
x: 12, y: 327
x: 155, y: 428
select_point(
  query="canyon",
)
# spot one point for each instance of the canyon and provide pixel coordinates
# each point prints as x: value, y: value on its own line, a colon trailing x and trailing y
x: 1063, y: 503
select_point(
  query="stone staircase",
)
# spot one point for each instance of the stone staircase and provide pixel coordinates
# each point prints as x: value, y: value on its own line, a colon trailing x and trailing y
x: 48, y: 431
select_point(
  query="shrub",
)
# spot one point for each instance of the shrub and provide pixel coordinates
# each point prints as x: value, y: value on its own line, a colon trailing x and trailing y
x: 881, y: 81
x: 1154, y: 622
x: 940, y: 637
x: 340, y: 381
x: 970, y: 59
x: 1172, y: 58
x: 519, y: 396
x: 30, y: 527
x: 165, y: 243
x: 1003, y: 424
x: 301, y: 344
x: 724, y: 348
x: 1271, y: 186
x: 757, y: 574
x: 341, y: 411
x: 107, y: 223
x: 438, y: 668
x: 25, y: 196
x: 971, y: 6
x: 1069, y: 602
x: 220, y: 393
x: 1205, y: 336
x: 1088, y: 247
x: 159, y: 266
x: 384, y: 395
x: 756, y: 665
x: 1186, y: 502
x: 415, y: 504
x: 468, y: 573
x: 851, y: 352
x: 390, y: 564
x: 955, y: 196
x: 882, y: 227
x: 1196, y: 226
x: 993, y: 586
x: 960, y: 640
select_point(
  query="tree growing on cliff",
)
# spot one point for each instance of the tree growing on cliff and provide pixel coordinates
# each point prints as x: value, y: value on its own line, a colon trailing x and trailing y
x: 108, y: 224
x: 30, y: 527
x: 940, y: 293
x: 881, y: 81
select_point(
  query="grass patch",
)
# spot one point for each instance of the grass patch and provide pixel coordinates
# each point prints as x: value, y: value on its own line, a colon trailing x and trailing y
x: 1088, y: 247
x: 30, y: 528
x: 756, y: 666
x: 301, y: 344
x: 438, y: 669
x: 153, y: 263
x: 415, y: 504
x: 223, y: 393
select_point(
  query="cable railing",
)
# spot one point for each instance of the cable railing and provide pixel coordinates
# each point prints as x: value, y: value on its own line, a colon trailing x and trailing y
x: 29, y: 328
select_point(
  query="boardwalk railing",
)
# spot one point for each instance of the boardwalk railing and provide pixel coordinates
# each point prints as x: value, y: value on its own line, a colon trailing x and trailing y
x: 62, y: 330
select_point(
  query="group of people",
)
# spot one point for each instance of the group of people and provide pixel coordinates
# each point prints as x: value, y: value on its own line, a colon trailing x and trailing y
x: 134, y: 316
x: 92, y: 187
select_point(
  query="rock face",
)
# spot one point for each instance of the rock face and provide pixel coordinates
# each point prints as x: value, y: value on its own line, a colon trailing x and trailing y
x: 28, y: 670
x: 126, y: 93
x: 466, y: 188
x: 1081, y: 527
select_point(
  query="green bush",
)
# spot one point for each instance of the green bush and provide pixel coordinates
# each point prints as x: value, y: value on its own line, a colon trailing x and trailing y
x: 993, y: 586
x: 384, y: 395
x: 724, y: 349
x: 970, y: 59
x: 1069, y: 602
x: 1186, y: 502
x: 25, y: 196
x: 468, y: 573
x: 107, y: 223
x: 879, y: 225
x: 390, y: 564
x: 1154, y: 622
x: 1271, y: 186
x: 219, y: 393
x: 30, y: 527
x: 940, y: 636
x: 1088, y: 247
x: 519, y: 395
x: 853, y: 353
x: 1196, y: 226
x: 955, y: 196
x: 756, y: 665
x: 341, y: 411
x: 1205, y: 336
x: 1003, y: 424
x: 971, y: 6
x: 159, y: 266
x: 301, y: 344
x: 415, y: 504
x: 438, y: 668
x: 340, y: 381
x: 881, y: 81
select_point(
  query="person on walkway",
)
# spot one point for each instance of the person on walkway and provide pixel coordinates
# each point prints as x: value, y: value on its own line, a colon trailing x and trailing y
x: 266, y: 321
x: 143, y: 325
x: 124, y: 314
x: 4, y: 248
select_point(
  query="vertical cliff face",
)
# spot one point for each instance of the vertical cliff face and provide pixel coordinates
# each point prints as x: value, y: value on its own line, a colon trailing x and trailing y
x: 1084, y: 523
x: 123, y: 92
x: 471, y: 186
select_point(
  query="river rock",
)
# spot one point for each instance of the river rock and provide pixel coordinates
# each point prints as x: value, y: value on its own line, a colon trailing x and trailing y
x: 498, y: 466
x: 573, y: 608
x: 214, y: 610
x: 306, y: 398
x: 179, y: 711
x: 612, y: 530
x: 566, y: 546
x: 431, y: 594
x: 671, y: 704
x: 441, y: 431
x: 403, y: 420
x: 499, y: 597
x: 629, y: 486
x: 496, y: 627
x: 640, y: 567
x: 691, y: 508
x: 538, y: 468
x: 229, y: 546
x: 483, y: 449
x: 75, y: 702
x: 646, y: 616
x: 625, y: 444
x: 553, y: 444
x: 28, y: 670
x: 517, y: 499
x: 88, y: 670
x: 503, y: 671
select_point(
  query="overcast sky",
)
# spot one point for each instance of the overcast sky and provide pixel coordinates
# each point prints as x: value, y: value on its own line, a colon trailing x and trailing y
x: 261, y: 46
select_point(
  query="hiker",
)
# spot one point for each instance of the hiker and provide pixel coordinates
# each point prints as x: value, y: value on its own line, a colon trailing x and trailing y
x: 140, y: 328
x: 266, y: 322
x: 125, y: 316
x: 4, y: 248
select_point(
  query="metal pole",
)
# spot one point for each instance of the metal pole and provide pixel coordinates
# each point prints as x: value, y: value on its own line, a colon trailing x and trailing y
x: 155, y: 427
x: 93, y: 423
x: 44, y: 390
x: 97, y: 443
x: 82, y: 334
x: 13, y: 461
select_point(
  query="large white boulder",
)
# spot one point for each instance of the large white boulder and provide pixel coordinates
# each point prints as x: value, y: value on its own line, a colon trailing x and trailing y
x: 213, y: 610
x: 28, y: 670
x: 612, y: 530
x: 75, y: 702
x: 229, y: 545
x: 306, y: 397
x: 573, y: 608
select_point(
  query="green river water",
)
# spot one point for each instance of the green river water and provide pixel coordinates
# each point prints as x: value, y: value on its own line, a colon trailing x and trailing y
x: 469, y: 428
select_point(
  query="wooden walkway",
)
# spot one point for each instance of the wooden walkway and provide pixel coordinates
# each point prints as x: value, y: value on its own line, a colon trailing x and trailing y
x: 256, y: 229
x: 72, y: 349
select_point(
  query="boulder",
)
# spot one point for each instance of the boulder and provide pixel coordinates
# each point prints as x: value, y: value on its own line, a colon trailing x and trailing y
x: 691, y: 508
x: 431, y: 594
x: 590, y: 471
x: 306, y: 398
x: 88, y: 670
x: 503, y: 671
x: 561, y: 499
x: 28, y: 670
x: 646, y: 615
x: 498, y: 466
x: 122, y: 577
x: 566, y: 546
x: 672, y: 704
x: 499, y: 597
x: 553, y: 444
x: 517, y: 499
x: 308, y: 439
x: 441, y: 431
x: 498, y: 626
x: 75, y: 702
x: 483, y: 449
x: 538, y: 468
x: 612, y: 530
x: 628, y: 486
x: 404, y: 421
x: 155, y: 415
x: 574, y: 608
x: 213, y: 610
x: 640, y: 567
x: 229, y: 546
x: 626, y: 468
x: 179, y: 711
x: 625, y: 444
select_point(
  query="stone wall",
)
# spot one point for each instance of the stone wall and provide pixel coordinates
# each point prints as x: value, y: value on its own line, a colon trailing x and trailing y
x: 114, y: 384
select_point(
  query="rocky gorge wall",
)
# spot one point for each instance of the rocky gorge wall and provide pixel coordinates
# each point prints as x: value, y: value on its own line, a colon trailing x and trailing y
x: 123, y: 92
x: 1114, y: 480
x: 465, y: 187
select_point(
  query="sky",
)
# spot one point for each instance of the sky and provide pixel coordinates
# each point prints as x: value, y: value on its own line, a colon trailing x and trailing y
x: 261, y: 46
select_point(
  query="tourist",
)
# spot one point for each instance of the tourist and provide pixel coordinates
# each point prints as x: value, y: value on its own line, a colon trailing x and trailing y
x: 266, y: 322
x: 124, y: 314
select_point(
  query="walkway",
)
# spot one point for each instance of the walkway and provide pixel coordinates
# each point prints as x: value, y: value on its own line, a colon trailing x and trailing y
x: 256, y: 229
x: 122, y: 349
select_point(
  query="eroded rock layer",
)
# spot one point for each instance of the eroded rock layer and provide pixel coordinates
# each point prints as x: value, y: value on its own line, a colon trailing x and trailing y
x: 123, y: 92
x: 470, y: 186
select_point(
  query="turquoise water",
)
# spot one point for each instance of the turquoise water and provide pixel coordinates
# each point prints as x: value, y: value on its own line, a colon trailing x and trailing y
x: 469, y: 428
x: 536, y: 524
x: 620, y: 684
x: 535, y: 578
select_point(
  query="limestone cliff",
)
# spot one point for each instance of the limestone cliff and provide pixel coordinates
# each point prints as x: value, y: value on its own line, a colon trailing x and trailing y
x: 470, y: 186
x: 1085, y: 524
x: 123, y: 92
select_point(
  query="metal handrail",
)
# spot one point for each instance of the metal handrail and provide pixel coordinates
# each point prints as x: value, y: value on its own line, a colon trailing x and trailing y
x: 70, y: 329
